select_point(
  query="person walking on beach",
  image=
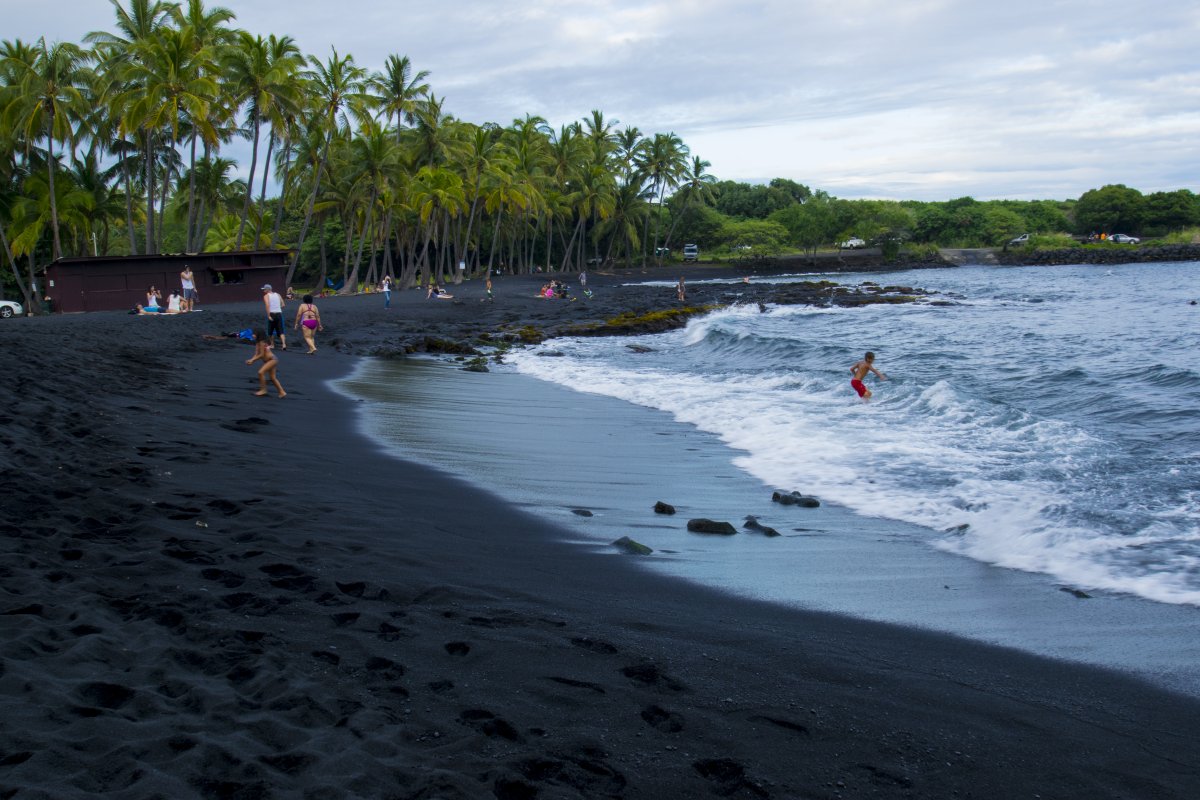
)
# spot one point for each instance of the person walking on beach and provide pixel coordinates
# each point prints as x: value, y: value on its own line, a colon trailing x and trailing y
x: 188, y: 281
x: 583, y: 285
x: 860, y: 370
x: 273, y: 303
x: 386, y: 288
x: 264, y: 353
x: 308, y: 318
x: 488, y: 298
x: 681, y: 290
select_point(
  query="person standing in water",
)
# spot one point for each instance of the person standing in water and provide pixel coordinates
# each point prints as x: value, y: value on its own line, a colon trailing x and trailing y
x: 860, y: 370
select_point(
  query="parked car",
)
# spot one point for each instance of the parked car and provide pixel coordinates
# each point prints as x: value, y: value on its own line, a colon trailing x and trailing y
x: 691, y: 252
x: 11, y: 308
x: 1020, y: 240
x: 1121, y: 238
x: 853, y: 243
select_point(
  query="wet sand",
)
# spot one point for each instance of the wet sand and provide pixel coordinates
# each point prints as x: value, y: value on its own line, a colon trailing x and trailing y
x: 209, y: 594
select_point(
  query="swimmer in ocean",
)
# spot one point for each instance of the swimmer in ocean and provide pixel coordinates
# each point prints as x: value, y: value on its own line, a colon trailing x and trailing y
x: 860, y: 370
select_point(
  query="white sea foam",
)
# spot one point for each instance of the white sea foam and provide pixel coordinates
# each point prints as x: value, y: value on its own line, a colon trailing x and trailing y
x: 933, y: 453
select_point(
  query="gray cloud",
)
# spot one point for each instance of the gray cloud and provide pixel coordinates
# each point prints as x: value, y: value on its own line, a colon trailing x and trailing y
x: 927, y: 99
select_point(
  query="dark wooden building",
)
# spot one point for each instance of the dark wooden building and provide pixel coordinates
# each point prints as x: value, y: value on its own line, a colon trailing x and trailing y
x: 106, y: 283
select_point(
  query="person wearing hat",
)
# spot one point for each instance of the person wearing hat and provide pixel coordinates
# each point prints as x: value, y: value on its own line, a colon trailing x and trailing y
x: 274, y: 306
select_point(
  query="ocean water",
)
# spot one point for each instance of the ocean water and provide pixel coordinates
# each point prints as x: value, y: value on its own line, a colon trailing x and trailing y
x: 1047, y: 421
x: 1038, y: 438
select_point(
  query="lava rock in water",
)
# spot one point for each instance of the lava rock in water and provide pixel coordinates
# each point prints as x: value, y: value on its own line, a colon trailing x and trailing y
x: 711, y: 526
x: 753, y: 524
x: 663, y: 508
x: 795, y: 499
x: 630, y: 546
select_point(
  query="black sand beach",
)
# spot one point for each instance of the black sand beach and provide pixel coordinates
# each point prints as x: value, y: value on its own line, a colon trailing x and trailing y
x: 209, y: 594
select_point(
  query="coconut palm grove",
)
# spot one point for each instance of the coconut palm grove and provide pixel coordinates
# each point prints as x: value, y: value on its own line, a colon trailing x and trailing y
x: 121, y: 145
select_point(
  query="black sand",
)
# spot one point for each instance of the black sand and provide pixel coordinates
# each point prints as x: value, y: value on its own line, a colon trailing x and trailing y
x: 209, y: 594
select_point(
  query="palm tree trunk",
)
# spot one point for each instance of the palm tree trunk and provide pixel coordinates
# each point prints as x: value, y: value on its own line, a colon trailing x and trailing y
x: 191, y: 218
x: 53, y: 198
x: 352, y: 283
x: 262, y: 195
x: 249, y: 184
x: 149, y: 158
x: 283, y: 187
x: 129, y: 206
x: 312, y: 200
x: 324, y: 260
x: 16, y: 271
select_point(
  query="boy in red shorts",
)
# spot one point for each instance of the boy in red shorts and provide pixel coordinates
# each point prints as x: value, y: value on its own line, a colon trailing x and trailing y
x: 860, y: 370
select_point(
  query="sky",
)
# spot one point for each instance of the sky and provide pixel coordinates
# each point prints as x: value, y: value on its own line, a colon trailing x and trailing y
x: 922, y: 99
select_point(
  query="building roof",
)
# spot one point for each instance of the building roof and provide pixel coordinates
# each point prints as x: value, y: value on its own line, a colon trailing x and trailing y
x: 174, y: 257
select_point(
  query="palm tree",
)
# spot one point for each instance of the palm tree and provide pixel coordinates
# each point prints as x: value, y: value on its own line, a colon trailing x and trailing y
x: 169, y: 83
x: 338, y: 86
x: 135, y: 26
x: 287, y: 60
x: 663, y: 162
x: 47, y: 104
x: 211, y: 35
x: 697, y: 188
x: 373, y: 158
x: 258, y: 73
x: 396, y: 91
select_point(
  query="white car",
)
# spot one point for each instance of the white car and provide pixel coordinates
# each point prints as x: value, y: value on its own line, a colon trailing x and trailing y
x: 1121, y: 238
x: 11, y: 308
x: 853, y: 243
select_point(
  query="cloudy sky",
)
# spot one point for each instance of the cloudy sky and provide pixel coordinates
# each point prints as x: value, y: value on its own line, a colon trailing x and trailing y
x: 923, y: 99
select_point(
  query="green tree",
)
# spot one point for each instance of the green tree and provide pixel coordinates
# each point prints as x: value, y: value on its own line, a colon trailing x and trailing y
x: 46, y: 105
x: 1110, y: 209
x: 1171, y: 211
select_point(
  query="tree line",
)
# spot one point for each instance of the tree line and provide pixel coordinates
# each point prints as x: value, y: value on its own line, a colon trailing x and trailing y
x: 120, y: 145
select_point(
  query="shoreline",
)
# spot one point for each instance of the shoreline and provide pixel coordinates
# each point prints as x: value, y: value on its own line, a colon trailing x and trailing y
x: 556, y: 453
x: 209, y: 594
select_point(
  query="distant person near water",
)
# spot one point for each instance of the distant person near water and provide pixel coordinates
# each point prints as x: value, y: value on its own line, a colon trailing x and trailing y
x: 273, y: 303
x: 860, y: 370
x: 681, y: 290
x: 308, y: 317
x: 386, y: 288
x: 489, y: 297
x: 264, y: 353
x: 583, y: 287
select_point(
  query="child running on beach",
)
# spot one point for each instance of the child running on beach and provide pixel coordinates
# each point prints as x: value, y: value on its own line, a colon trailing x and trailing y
x: 263, y: 353
x: 860, y: 370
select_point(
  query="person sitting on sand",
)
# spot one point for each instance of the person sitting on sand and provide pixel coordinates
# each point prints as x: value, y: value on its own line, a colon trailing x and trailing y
x: 308, y: 316
x: 264, y: 353
x: 437, y: 291
x: 860, y: 370
x: 153, y: 299
x: 174, y: 303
